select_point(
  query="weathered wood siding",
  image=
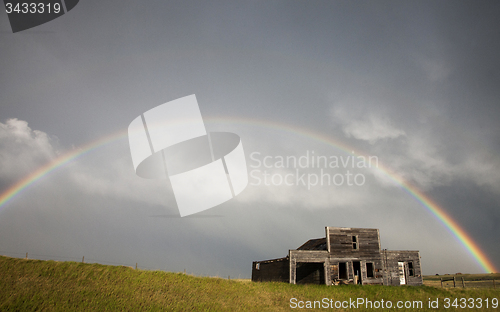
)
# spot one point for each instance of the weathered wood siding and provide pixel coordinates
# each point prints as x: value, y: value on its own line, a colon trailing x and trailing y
x: 309, y: 266
x: 367, y: 250
x: 391, y: 259
x: 275, y: 270
x: 340, y: 243
x: 313, y: 264
x: 308, y: 255
x: 377, y: 278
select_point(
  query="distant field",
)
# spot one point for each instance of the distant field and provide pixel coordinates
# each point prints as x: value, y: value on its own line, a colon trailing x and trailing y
x: 35, y: 285
x: 470, y: 280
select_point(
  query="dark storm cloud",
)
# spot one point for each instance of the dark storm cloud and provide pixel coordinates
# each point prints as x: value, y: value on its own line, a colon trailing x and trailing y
x: 414, y: 83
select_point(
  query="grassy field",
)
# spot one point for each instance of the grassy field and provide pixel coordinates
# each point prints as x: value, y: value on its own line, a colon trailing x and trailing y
x: 470, y: 280
x: 35, y: 285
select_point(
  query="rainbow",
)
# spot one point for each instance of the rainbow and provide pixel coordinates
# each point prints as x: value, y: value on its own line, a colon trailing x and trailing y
x: 438, y: 212
x: 56, y: 163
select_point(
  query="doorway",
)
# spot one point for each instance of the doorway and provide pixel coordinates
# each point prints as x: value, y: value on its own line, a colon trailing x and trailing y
x: 356, y: 266
x: 310, y: 273
x: 402, y: 273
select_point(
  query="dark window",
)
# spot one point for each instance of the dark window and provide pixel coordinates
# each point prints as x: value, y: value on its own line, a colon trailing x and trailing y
x: 343, y: 270
x: 369, y: 269
x: 410, y: 269
x: 354, y: 242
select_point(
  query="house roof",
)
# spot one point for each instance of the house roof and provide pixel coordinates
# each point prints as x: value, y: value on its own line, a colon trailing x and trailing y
x: 314, y: 244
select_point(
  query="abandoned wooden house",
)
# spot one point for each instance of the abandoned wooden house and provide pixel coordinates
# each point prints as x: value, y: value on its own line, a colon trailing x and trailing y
x: 343, y: 256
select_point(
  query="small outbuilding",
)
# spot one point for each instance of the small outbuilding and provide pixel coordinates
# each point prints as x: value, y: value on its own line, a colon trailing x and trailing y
x: 343, y: 256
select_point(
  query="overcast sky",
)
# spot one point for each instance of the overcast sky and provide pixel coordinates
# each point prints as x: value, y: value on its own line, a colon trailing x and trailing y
x: 415, y: 84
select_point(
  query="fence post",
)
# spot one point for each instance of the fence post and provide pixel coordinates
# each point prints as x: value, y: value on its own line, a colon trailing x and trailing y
x: 26, y: 255
x: 463, y: 283
x: 136, y: 265
x: 441, y: 282
x: 453, y: 281
x: 83, y: 259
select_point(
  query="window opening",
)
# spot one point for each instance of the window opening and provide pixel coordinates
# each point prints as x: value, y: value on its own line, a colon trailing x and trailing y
x: 369, y: 269
x: 343, y: 270
x: 410, y: 269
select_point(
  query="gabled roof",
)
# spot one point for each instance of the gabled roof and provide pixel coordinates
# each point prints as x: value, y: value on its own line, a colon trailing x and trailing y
x: 314, y: 244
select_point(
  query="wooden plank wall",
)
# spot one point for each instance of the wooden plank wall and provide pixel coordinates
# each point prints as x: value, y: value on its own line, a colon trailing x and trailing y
x: 391, y: 259
x: 308, y: 255
x: 271, y: 270
x: 377, y: 274
x: 340, y: 243
x: 318, y: 260
x: 322, y: 266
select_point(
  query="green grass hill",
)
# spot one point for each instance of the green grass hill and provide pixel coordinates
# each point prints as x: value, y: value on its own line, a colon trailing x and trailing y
x: 36, y: 285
